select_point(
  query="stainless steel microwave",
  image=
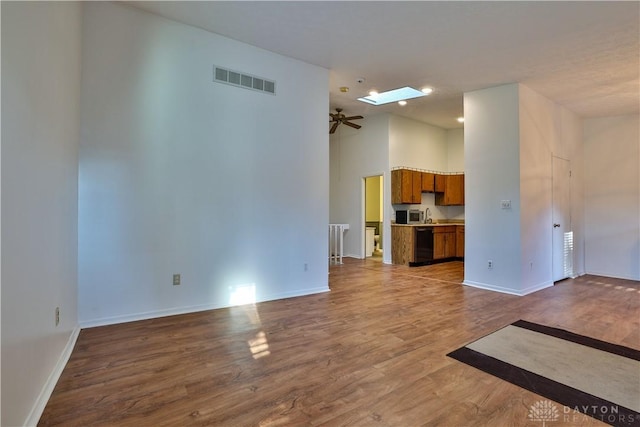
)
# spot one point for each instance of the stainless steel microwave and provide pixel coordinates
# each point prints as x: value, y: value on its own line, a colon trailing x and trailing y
x: 411, y: 216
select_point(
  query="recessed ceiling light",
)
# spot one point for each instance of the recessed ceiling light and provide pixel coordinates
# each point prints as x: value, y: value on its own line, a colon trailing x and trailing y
x: 426, y: 90
x: 460, y: 119
x: 392, y: 96
x: 403, y: 102
x: 373, y: 93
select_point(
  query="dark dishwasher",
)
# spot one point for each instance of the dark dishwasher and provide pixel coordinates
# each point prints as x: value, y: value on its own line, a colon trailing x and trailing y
x: 423, y: 246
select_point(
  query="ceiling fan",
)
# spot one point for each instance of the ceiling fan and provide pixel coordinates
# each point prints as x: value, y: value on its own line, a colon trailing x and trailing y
x: 337, y: 118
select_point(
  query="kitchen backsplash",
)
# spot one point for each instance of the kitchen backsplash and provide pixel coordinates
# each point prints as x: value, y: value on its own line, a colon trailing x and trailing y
x: 436, y: 212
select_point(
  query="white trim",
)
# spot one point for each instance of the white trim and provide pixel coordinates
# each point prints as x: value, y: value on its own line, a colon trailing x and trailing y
x: 611, y: 275
x: 50, y: 384
x: 509, y: 291
x: 191, y: 309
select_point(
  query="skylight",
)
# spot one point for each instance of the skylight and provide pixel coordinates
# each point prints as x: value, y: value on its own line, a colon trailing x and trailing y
x: 392, y: 96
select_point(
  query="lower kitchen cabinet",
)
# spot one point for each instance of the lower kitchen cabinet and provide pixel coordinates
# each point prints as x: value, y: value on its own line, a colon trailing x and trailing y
x: 448, y: 243
x: 460, y: 241
x: 444, y: 242
x: 402, y: 244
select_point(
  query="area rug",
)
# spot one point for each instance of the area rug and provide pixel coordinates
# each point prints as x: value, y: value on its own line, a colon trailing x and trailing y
x: 585, y: 375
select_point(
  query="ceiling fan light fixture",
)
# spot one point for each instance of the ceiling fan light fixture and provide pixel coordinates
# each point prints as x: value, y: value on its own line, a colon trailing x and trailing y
x: 394, y: 95
x: 338, y: 118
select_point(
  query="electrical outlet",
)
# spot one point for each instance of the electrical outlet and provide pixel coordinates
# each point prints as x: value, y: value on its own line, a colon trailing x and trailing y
x: 489, y: 264
x: 176, y: 280
x: 505, y: 204
x: 57, y: 316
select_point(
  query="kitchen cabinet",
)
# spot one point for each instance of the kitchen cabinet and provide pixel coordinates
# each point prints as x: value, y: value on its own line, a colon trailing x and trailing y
x: 402, y: 244
x: 444, y: 242
x: 448, y: 243
x: 428, y: 182
x: 439, y: 183
x: 460, y: 241
x: 406, y: 186
x: 449, y: 190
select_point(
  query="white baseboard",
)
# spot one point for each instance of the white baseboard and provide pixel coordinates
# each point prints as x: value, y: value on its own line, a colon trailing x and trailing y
x: 612, y: 275
x: 191, y: 309
x: 50, y: 384
x: 509, y: 291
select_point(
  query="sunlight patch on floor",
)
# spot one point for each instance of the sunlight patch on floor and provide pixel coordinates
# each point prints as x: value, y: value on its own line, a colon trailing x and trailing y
x: 259, y: 346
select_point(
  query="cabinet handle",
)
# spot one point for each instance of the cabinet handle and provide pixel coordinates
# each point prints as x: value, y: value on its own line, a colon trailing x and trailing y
x: 556, y: 225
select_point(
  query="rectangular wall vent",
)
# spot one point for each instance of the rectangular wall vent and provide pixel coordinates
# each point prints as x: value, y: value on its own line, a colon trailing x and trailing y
x: 244, y: 80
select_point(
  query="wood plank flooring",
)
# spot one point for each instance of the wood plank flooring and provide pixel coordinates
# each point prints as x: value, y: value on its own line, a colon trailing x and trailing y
x: 372, y: 352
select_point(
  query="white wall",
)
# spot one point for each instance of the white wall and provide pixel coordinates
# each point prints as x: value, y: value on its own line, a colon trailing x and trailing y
x: 356, y: 154
x: 612, y: 196
x: 511, y: 135
x: 40, y: 121
x: 455, y: 150
x: 546, y: 130
x: 417, y: 145
x: 182, y: 175
x: 492, y: 174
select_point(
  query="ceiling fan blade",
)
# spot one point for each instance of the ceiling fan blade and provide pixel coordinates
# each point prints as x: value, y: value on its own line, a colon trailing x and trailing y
x: 353, y: 118
x: 333, y: 128
x: 353, y: 125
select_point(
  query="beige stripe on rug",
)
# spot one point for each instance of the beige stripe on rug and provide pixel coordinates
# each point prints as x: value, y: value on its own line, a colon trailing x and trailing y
x: 602, y: 374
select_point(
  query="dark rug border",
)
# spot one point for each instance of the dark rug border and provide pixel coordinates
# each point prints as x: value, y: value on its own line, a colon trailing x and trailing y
x: 574, y: 399
x: 620, y: 350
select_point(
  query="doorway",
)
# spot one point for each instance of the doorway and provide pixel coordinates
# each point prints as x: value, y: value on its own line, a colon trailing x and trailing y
x: 562, y: 239
x: 373, y: 216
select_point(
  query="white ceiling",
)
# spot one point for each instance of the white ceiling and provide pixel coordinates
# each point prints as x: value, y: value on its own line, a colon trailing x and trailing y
x: 582, y: 55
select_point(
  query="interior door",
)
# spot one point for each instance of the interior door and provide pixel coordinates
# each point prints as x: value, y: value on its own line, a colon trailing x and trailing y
x: 562, y: 231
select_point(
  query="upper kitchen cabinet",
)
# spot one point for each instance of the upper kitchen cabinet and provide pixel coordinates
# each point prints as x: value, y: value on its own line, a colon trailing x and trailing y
x: 449, y: 190
x: 406, y: 186
x: 428, y: 182
x: 439, y: 183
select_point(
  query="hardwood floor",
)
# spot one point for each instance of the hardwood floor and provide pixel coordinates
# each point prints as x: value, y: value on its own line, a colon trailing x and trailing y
x: 371, y: 352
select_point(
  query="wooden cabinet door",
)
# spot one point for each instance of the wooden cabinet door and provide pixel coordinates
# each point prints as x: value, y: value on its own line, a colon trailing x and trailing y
x: 450, y: 245
x: 416, y: 187
x: 406, y: 186
x: 449, y: 190
x: 402, y: 244
x: 401, y: 186
x: 444, y: 242
x: 454, y: 190
x: 396, y: 187
x: 460, y: 241
x: 439, y: 245
x: 428, y: 182
x: 439, y: 183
